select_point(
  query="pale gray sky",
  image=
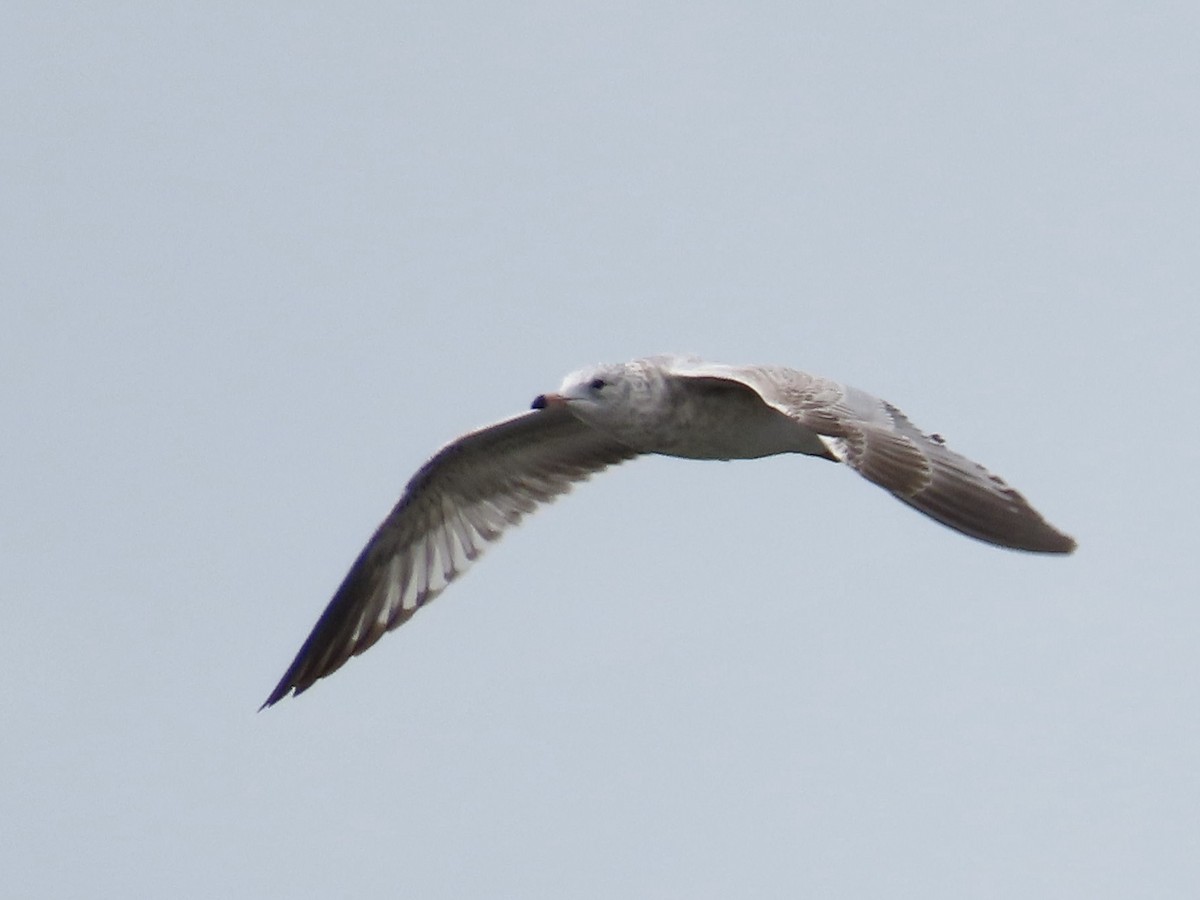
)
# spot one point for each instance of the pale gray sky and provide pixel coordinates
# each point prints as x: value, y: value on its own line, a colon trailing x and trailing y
x: 258, y: 261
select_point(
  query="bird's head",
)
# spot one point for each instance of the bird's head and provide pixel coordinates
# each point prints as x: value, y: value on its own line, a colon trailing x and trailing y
x: 592, y: 388
x: 603, y: 396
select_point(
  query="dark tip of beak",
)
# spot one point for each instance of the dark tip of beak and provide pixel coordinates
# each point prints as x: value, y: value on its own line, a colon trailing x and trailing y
x: 549, y: 401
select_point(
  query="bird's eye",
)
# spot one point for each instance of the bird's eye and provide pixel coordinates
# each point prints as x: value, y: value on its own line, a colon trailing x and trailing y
x: 598, y: 383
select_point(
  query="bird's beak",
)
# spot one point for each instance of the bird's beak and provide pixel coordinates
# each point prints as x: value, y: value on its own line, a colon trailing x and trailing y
x: 548, y: 401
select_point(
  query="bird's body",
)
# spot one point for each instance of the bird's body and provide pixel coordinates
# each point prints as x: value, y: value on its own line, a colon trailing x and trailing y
x: 477, y: 485
x: 676, y: 407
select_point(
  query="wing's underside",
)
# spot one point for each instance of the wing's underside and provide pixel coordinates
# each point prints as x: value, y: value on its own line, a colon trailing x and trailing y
x: 459, y: 502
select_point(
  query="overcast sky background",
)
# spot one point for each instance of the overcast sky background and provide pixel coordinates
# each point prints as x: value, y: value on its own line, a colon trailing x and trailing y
x: 257, y: 262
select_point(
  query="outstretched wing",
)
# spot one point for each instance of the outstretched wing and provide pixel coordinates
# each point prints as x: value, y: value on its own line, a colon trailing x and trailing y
x: 879, y: 442
x: 458, y: 503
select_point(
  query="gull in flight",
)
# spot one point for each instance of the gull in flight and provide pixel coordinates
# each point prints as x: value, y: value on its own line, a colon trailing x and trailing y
x: 479, y: 484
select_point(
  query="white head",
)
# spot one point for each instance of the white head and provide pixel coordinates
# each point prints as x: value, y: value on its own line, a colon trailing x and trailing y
x: 612, y: 398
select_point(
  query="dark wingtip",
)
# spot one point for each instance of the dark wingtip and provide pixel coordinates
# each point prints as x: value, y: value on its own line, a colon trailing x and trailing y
x: 1064, y: 544
x: 539, y: 402
x: 1043, y: 539
x: 288, y: 685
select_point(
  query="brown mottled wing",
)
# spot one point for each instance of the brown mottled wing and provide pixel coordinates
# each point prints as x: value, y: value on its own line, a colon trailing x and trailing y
x: 876, y: 440
x: 923, y: 472
x: 458, y: 503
